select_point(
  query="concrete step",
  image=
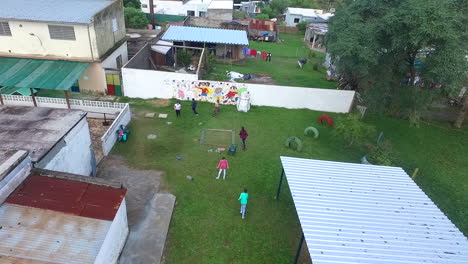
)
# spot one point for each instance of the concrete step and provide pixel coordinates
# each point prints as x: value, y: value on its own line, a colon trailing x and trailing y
x: 146, y: 240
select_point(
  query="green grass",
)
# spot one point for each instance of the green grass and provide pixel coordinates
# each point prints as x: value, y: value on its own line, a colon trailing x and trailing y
x: 283, y: 67
x: 206, y: 225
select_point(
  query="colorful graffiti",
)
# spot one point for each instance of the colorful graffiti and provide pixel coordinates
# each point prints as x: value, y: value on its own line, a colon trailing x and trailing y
x: 208, y: 91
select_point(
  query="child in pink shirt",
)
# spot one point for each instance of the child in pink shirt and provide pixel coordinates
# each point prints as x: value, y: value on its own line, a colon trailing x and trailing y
x: 223, y: 165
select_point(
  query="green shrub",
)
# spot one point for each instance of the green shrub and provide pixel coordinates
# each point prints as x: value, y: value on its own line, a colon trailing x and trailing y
x: 382, y: 154
x: 262, y: 17
x: 302, y: 25
x: 183, y: 58
x: 352, y: 129
x: 315, y: 67
x: 135, y: 18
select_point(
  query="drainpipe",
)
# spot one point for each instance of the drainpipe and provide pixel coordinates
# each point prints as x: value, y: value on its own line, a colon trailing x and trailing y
x: 90, y: 46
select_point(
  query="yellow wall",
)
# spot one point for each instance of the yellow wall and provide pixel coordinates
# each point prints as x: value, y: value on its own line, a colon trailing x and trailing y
x: 22, y: 43
x: 93, y: 79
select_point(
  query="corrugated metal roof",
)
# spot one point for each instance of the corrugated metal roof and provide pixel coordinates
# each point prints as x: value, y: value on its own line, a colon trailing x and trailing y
x: 31, y: 235
x: 45, y: 74
x: 61, y: 11
x: 67, y: 196
x: 259, y: 24
x: 307, y: 12
x: 162, y: 49
x: 356, y: 213
x: 206, y: 35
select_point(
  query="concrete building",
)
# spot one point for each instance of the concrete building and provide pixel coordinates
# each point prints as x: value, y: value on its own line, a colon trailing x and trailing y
x: 217, y: 9
x: 294, y: 16
x: 51, y: 217
x: 57, y: 139
x: 220, y: 10
x: 82, y: 32
x: 251, y: 7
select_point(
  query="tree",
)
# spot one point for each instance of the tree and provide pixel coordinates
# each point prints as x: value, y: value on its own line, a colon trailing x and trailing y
x: 135, y: 18
x: 262, y: 17
x: 302, y: 25
x: 352, y: 129
x: 377, y: 46
x: 268, y: 11
x: 279, y: 6
x: 132, y: 3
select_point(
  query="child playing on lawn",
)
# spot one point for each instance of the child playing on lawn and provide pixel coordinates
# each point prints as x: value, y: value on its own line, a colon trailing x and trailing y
x: 243, y: 135
x: 243, y: 198
x: 223, y: 165
x: 216, y: 108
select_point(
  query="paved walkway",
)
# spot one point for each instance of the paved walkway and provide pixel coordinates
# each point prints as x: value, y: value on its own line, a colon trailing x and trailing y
x: 149, y: 212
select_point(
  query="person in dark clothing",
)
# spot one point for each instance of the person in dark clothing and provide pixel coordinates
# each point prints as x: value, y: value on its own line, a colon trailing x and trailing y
x: 194, y: 106
x: 269, y: 56
x: 243, y: 135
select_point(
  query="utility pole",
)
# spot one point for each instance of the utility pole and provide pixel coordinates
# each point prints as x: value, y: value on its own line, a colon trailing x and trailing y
x: 151, y: 13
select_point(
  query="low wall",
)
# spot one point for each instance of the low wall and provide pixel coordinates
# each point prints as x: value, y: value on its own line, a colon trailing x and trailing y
x: 149, y: 83
x: 102, y: 107
x: 110, y: 137
x: 169, y: 85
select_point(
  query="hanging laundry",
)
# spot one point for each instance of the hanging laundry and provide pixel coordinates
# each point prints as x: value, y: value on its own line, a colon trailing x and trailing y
x: 244, y: 50
x: 253, y: 53
x: 264, y: 55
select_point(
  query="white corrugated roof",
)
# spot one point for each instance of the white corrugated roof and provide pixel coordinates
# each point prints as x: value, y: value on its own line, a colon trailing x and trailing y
x: 207, y: 35
x: 356, y: 213
x: 31, y: 235
x: 162, y: 49
x: 308, y: 12
x: 66, y: 11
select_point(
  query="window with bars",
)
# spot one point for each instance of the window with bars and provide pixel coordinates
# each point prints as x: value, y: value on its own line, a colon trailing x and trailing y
x: 5, y: 29
x: 62, y: 32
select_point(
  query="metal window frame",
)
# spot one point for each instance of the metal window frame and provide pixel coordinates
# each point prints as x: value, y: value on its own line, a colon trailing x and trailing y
x: 5, y: 28
x: 61, y: 32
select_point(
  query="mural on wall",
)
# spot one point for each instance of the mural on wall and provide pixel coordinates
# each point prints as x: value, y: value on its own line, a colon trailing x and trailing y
x: 208, y: 91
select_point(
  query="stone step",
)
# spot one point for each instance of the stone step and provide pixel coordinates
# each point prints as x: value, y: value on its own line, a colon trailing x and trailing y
x: 146, y: 241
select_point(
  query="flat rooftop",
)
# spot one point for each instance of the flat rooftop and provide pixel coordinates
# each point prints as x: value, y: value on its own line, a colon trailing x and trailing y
x: 69, y: 11
x: 57, y: 220
x: 9, y: 158
x: 35, y: 129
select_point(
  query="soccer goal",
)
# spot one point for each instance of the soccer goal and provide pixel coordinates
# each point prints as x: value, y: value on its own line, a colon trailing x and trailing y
x: 218, y: 137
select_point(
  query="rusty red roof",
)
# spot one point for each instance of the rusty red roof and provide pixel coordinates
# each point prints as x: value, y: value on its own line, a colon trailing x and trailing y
x: 262, y: 25
x: 68, y: 196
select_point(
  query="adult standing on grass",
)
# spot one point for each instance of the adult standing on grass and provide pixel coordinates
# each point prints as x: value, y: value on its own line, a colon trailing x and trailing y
x: 216, y: 108
x: 177, y: 108
x: 223, y: 165
x: 243, y: 135
x: 244, y: 199
x: 194, y: 106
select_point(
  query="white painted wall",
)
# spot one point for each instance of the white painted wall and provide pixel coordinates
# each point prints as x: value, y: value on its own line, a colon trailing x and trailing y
x: 111, y: 63
x: 9, y: 183
x: 21, y: 43
x: 115, y: 238
x: 110, y: 137
x: 73, y: 154
x: 328, y: 100
x: 176, y: 7
x: 141, y: 83
x: 149, y: 84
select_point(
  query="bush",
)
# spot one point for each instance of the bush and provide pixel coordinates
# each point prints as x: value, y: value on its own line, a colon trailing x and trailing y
x: 211, y: 61
x: 382, y: 154
x: 135, y: 18
x: 315, y: 66
x: 352, y: 129
x: 239, y: 14
x: 183, y: 58
x: 262, y: 17
x: 302, y: 25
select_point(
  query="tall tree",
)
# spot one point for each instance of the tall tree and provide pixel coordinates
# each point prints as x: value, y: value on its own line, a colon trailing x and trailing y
x: 135, y: 18
x: 379, y: 45
x: 132, y: 3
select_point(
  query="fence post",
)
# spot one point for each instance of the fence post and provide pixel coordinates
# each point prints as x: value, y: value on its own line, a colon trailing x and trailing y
x: 33, y: 96
x: 1, y: 99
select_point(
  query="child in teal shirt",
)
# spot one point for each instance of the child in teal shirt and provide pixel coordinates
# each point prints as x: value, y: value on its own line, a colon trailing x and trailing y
x: 243, y: 198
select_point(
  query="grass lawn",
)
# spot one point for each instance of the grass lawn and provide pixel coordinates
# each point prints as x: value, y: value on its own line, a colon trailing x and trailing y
x: 283, y: 67
x: 206, y: 225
